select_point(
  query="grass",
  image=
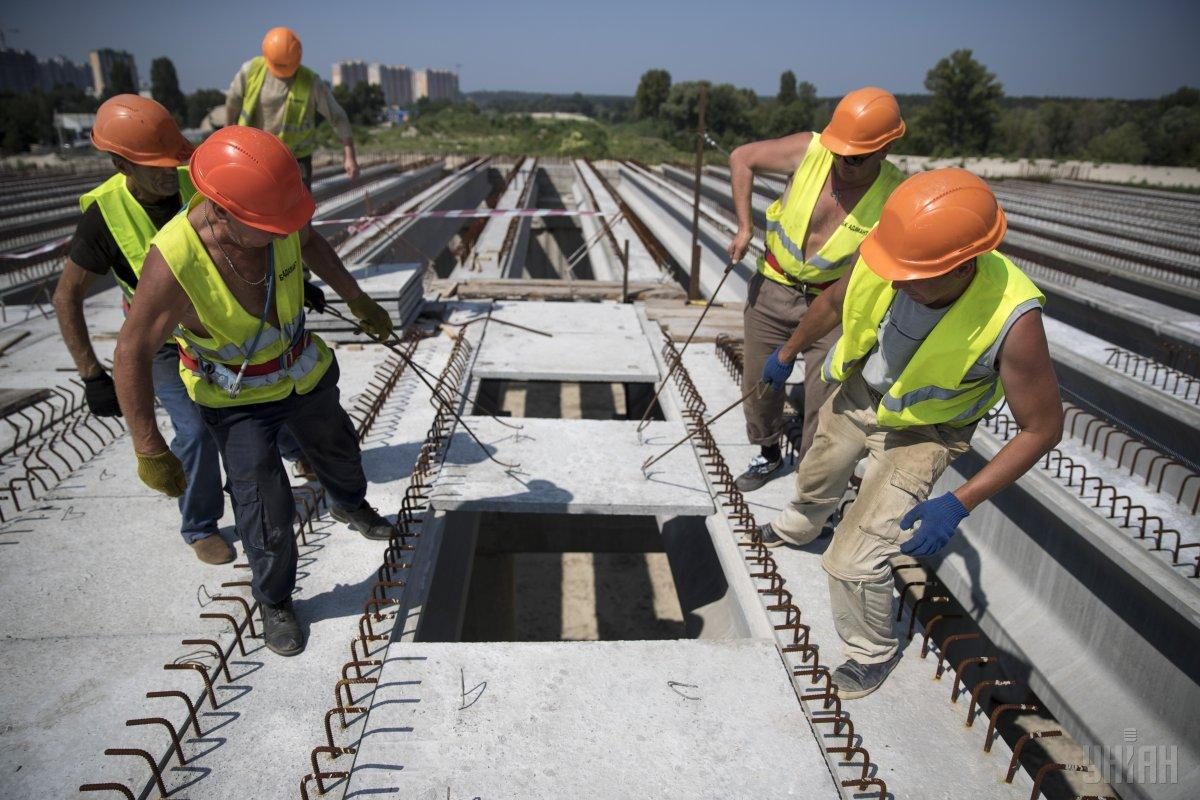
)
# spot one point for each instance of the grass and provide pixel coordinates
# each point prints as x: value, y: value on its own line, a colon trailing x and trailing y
x: 456, y: 131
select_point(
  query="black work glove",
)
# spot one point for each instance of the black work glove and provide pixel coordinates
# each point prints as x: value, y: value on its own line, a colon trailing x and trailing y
x: 314, y: 297
x: 101, y: 395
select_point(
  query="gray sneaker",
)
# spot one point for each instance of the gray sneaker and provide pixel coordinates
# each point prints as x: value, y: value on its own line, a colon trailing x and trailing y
x: 757, y: 474
x: 859, y: 680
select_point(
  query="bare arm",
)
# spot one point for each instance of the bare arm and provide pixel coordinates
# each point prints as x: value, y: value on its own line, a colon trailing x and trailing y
x: 336, y: 115
x: 160, y: 305
x: 823, y: 315
x: 72, y: 288
x: 324, y: 261
x: 1032, y: 391
x: 771, y: 155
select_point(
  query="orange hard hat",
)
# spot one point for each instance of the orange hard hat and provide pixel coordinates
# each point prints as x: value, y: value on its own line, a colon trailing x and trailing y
x: 140, y: 130
x: 864, y: 121
x: 281, y: 50
x: 252, y: 175
x: 933, y: 222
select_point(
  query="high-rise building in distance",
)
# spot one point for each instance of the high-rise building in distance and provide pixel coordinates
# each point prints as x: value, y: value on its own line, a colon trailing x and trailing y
x: 396, y: 82
x: 349, y: 74
x: 102, y: 62
x: 436, y: 84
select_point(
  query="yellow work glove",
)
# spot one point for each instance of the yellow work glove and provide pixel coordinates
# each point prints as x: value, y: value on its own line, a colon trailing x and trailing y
x: 375, y: 322
x: 162, y: 472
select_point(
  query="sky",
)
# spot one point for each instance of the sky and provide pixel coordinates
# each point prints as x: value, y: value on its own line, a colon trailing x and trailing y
x: 1075, y: 48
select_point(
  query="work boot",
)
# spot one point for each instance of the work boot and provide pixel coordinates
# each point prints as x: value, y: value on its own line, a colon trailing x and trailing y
x: 853, y: 679
x: 771, y: 537
x: 760, y: 471
x: 281, y: 631
x: 366, y: 521
x: 302, y: 469
x: 212, y: 549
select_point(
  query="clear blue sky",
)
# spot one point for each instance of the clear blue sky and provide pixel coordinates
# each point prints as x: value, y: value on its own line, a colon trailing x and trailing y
x: 1084, y: 48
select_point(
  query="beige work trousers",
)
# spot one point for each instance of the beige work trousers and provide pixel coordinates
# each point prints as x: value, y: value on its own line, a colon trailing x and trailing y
x: 902, y: 466
x: 772, y: 312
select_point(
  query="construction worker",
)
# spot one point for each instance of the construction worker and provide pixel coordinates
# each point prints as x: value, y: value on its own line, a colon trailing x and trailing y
x: 839, y: 181
x: 226, y: 274
x: 937, y: 328
x: 275, y: 93
x: 120, y: 217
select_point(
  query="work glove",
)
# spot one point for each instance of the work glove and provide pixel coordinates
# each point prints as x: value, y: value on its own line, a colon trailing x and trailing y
x: 314, y: 297
x: 101, y: 395
x: 162, y: 472
x: 775, y: 373
x: 939, y: 520
x: 374, y: 321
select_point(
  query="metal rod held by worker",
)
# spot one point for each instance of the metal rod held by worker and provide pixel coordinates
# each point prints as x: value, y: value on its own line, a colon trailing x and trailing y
x: 679, y: 360
x: 655, y: 459
x: 420, y: 371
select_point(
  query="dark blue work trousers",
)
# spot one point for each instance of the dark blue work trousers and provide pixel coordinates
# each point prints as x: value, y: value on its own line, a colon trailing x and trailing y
x: 263, y: 506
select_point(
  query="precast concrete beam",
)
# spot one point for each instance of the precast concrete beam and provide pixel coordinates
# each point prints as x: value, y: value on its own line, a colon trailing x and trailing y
x: 499, y: 252
x: 669, y: 217
x: 642, y: 265
x: 717, y: 190
x: 1100, y: 628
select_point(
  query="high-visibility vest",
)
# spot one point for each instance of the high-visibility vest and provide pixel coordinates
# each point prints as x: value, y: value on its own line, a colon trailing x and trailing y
x: 931, y: 388
x: 127, y: 221
x: 299, y: 127
x: 788, y: 218
x: 232, y: 330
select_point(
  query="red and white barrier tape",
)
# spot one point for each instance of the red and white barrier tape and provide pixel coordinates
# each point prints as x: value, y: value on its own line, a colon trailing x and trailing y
x: 25, y: 255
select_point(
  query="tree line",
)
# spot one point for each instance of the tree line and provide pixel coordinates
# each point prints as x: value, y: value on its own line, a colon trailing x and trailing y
x: 965, y: 114
x: 28, y: 119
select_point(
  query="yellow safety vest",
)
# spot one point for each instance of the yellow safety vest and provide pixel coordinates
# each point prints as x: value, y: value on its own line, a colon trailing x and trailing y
x: 787, y: 224
x: 931, y: 388
x: 128, y: 221
x: 299, y: 127
x: 232, y: 330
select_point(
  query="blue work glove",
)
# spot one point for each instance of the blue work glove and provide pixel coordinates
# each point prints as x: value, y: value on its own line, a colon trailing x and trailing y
x: 939, y: 519
x: 775, y: 373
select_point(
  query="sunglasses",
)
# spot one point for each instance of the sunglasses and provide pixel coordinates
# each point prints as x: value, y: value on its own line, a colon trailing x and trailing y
x: 854, y: 161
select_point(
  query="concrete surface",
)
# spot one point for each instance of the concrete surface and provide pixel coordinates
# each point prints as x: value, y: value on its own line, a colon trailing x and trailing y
x: 587, y: 720
x: 562, y: 469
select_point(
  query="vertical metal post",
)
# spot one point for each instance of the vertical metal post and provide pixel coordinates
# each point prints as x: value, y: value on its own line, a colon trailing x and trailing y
x: 694, y: 282
x: 625, y: 279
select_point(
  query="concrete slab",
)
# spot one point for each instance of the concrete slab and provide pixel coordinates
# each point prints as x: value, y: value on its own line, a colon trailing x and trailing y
x: 572, y: 466
x: 518, y: 355
x: 542, y: 721
x: 570, y: 318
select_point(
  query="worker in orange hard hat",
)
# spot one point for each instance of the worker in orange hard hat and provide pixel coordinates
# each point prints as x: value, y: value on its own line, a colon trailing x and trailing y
x: 937, y: 328
x: 839, y: 180
x: 120, y: 217
x: 226, y: 274
x: 276, y: 93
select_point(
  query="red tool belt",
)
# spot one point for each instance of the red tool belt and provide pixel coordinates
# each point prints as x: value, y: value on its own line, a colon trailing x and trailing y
x: 807, y: 288
x: 284, y: 361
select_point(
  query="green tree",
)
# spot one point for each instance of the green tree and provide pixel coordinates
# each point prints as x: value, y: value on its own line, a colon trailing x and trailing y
x: 962, y: 113
x: 787, y: 88
x: 200, y: 103
x: 652, y: 91
x: 164, y: 87
x: 1121, y: 145
x: 120, y: 80
x: 363, y: 104
x: 727, y: 116
x: 1058, y: 119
